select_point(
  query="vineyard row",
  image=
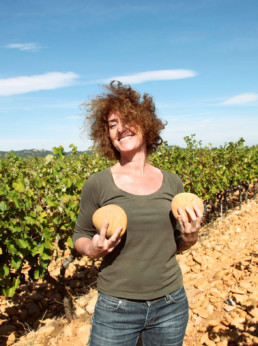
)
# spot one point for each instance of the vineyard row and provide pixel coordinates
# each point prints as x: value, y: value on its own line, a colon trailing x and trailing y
x: 39, y: 197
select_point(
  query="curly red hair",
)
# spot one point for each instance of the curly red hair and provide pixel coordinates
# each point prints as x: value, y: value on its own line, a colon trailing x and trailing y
x: 134, y: 111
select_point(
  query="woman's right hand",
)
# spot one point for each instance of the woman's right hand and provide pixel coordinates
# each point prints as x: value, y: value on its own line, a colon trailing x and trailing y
x: 100, y: 245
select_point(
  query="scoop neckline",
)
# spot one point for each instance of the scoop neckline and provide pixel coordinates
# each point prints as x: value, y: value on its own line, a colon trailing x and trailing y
x: 134, y: 195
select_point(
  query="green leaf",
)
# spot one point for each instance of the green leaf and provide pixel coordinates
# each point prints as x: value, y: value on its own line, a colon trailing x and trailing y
x: 39, y: 208
x: 36, y: 274
x: 16, y: 262
x: 23, y: 244
x: 48, y: 158
x: 52, y: 202
x: 65, y: 198
x: 74, y: 205
x: 44, y: 252
x: 70, y: 242
x: 30, y: 220
x: 9, y: 291
x: 6, y: 270
x: 12, y: 249
x: 38, y: 183
x: 49, y: 245
x: 17, y: 203
x: 18, y: 186
x: 4, y: 206
x: 45, y: 256
x: 30, y: 193
x: 34, y: 251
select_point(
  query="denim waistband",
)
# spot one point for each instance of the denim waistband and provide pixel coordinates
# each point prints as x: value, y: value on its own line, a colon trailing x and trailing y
x: 167, y: 297
x: 143, y: 300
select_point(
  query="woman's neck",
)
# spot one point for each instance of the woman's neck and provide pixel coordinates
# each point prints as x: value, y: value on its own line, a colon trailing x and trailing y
x: 136, y: 163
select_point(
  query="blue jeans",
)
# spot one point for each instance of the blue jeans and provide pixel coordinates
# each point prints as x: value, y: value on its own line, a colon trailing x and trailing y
x: 120, y: 321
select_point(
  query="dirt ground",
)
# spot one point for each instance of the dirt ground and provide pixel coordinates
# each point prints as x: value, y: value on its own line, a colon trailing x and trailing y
x: 220, y: 277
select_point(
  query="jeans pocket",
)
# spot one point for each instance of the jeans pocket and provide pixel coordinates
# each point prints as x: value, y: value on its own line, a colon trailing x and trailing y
x: 178, y: 296
x: 108, y: 303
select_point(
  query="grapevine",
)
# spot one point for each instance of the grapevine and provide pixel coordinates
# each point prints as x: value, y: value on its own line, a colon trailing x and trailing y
x: 39, y: 197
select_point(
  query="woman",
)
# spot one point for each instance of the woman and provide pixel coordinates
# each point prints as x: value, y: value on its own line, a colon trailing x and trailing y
x: 140, y: 283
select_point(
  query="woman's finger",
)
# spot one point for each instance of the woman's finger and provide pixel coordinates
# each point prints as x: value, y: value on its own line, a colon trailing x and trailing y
x: 199, y: 216
x: 113, y: 245
x: 191, y: 213
x: 182, y: 215
x: 197, y: 211
x: 115, y: 238
x: 102, y: 233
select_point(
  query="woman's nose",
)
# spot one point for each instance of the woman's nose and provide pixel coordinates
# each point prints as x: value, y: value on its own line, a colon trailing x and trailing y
x: 120, y: 126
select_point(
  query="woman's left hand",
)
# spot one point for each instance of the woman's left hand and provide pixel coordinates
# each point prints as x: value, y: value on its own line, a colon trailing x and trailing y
x: 189, y: 229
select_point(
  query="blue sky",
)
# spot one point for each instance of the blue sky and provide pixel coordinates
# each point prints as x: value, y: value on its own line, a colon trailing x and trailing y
x: 198, y: 59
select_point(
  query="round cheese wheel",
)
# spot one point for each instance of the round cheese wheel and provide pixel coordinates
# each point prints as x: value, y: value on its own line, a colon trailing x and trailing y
x: 115, y: 216
x: 183, y: 200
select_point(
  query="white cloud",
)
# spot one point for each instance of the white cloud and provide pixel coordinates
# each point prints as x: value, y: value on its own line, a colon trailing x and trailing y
x: 32, y: 46
x: 154, y: 75
x: 241, y: 99
x: 26, y: 84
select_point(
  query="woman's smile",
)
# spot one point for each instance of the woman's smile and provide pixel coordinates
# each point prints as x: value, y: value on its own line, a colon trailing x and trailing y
x: 124, y: 139
x: 125, y: 135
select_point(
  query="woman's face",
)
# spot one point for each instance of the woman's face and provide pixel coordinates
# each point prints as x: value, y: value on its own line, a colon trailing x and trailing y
x: 124, y: 138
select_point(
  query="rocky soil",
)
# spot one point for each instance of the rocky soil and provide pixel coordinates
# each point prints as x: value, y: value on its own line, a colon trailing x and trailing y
x: 220, y: 276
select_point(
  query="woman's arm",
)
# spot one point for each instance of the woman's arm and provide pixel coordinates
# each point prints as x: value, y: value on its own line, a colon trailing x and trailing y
x: 189, y: 230
x: 99, y: 245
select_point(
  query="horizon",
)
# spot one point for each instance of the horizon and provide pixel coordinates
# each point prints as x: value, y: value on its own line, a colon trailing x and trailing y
x: 91, y: 148
x: 198, y: 60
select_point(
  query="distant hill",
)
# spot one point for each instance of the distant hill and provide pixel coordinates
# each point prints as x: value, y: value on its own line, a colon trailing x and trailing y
x: 33, y: 152
x: 41, y: 152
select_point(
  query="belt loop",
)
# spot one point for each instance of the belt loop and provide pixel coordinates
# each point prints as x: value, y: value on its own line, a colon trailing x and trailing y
x: 168, y: 298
